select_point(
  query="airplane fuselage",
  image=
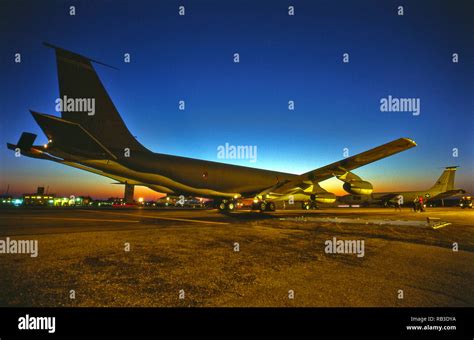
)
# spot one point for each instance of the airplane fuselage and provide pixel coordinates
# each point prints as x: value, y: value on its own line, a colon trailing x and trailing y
x: 388, y: 197
x: 181, y: 175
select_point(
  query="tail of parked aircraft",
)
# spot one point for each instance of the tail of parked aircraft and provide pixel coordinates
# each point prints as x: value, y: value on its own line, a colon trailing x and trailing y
x: 446, y: 181
x: 79, y: 81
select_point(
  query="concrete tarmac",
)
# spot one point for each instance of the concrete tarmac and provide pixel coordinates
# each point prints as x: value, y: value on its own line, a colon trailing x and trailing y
x: 176, y: 257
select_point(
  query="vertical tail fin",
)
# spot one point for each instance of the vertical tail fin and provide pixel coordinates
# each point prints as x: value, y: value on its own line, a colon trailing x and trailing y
x: 446, y: 181
x: 80, y: 84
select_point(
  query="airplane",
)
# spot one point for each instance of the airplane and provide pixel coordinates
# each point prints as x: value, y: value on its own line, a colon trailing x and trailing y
x: 98, y: 141
x: 443, y: 188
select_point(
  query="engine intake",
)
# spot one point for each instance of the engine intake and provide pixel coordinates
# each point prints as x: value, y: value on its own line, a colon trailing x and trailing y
x: 358, y: 187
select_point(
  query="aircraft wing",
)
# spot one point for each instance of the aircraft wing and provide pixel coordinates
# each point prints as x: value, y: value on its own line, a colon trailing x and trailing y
x: 449, y: 193
x: 305, y: 180
x: 354, y: 162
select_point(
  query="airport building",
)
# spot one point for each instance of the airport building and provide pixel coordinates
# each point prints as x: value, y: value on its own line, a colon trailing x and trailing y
x: 6, y: 199
x: 39, y: 198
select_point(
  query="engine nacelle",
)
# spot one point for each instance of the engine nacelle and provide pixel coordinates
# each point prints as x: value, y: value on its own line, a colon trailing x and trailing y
x: 358, y: 187
x: 324, y: 197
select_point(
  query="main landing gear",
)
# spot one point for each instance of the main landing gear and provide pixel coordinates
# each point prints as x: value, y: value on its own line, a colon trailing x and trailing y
x: 226, y: 205
x: 264, y: 206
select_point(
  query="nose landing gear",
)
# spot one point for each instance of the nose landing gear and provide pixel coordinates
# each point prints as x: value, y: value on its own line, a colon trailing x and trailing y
x: 309, y: 205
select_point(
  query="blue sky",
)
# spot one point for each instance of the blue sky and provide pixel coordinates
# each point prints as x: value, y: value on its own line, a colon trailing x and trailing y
x: 282, y: 58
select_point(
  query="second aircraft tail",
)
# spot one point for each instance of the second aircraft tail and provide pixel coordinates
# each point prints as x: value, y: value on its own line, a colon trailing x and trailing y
x: 446, y: 181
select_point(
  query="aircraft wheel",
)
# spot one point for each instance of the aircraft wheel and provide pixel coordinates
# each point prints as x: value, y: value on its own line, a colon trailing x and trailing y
x: 271, y: 206
x: 263, y: 206
x: 222, y: 206
x: 230, y: 206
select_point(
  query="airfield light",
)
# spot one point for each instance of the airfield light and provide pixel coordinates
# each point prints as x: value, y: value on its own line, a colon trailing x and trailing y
x: 17, y: 201
x: 45, y: 146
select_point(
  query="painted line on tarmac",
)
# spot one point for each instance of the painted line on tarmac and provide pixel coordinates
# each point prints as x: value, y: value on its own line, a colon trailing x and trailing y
x: 79, y: 219
x: 165, y: 218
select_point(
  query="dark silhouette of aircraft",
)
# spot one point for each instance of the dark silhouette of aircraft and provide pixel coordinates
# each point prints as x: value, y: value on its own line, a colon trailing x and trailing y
x: 94, y: 138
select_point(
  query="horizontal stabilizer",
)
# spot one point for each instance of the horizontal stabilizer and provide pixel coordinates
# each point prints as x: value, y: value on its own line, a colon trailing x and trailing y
x: 26, y: 140
x: 71, y: 137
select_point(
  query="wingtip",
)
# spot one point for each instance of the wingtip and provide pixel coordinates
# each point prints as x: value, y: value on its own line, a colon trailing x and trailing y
x: 410, y: 141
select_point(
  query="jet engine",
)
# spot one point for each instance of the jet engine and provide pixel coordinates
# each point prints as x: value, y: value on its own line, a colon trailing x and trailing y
x: 319, y: 195
x: 355, y: 185
x: 358, y: 187
x: 323, y: 197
